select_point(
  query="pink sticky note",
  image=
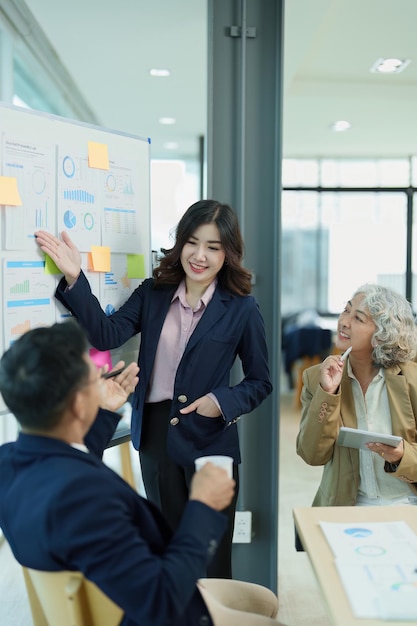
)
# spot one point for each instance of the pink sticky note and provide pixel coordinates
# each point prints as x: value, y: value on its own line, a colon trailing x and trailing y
x: 100, y: 358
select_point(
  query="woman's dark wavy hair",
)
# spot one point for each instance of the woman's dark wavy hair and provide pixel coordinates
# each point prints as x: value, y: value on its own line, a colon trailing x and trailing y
x: 232, y: 276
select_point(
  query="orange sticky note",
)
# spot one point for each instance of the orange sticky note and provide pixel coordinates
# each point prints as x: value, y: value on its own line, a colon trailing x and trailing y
x: 9, y: 193
x: 100, y: 256
x: 98, y: 155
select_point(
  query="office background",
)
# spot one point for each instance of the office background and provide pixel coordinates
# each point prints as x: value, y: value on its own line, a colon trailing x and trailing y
x: 339, y: 186
x: 347, y: 202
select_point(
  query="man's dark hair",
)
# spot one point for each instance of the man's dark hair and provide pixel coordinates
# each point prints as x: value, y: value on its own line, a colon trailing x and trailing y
x: 41, y: 371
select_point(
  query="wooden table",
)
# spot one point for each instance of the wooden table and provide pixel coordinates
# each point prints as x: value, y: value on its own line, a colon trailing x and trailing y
x: 321, y: 557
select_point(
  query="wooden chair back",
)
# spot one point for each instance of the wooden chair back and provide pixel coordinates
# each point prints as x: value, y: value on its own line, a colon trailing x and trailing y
x: 68, y: 599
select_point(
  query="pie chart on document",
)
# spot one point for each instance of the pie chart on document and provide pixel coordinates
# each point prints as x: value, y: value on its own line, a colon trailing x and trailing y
x: 69, y: 219
x: 358, y: 532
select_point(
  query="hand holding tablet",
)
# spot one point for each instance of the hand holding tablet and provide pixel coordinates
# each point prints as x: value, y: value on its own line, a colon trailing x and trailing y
x: 357, y: 438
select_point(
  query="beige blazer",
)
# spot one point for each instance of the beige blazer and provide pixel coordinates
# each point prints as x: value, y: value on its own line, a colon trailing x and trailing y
x: 322, y: 416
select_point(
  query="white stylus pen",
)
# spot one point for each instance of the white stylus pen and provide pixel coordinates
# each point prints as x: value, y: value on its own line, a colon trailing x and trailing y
x: 346, y: 354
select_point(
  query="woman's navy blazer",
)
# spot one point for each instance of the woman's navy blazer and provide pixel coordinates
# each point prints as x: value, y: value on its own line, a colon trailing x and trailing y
x: 231, y: 326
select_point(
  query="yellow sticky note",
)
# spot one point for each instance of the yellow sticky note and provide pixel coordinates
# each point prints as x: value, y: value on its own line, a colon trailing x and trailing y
x: 100, y: 256
x: 135, y: 266
x: 98, y: 155
x: 9, y: 193
x: 50, y: 266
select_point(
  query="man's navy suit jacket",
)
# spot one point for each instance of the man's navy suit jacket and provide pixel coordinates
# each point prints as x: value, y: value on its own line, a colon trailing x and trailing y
x: 64, y: 509
x: 231, y: 326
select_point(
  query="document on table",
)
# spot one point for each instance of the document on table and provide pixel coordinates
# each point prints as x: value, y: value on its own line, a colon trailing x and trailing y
x: 377, y: 565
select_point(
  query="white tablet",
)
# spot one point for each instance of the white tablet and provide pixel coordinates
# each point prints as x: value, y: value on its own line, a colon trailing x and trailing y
x: 356, y: 438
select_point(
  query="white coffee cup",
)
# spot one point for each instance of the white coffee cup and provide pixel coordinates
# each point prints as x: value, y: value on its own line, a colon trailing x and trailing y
x: 226, y: 462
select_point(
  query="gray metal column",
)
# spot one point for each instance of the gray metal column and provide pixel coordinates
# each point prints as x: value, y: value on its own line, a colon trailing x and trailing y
x: 244, y: 169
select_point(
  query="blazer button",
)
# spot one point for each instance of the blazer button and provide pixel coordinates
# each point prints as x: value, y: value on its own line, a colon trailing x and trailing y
x: 212, y: 547
x: 174, y: 421
x: 204, y: 620
x: 182, y: 398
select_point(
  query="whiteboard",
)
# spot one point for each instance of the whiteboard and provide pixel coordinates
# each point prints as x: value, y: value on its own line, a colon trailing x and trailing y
x: 60, y: 188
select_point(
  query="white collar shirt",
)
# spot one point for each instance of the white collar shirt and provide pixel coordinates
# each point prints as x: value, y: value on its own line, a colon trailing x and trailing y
x: 178, y: 327
x: 373, y: 413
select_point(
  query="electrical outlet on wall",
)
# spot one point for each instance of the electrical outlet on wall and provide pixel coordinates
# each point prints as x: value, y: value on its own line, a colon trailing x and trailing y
x: 243, y: 527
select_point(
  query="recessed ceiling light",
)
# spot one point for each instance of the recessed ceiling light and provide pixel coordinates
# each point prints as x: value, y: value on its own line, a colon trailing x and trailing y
x: 159, y: 72
x: 170, y: 145
x: 389, y: 66
x: 340, y: 126
x: 167, y: 120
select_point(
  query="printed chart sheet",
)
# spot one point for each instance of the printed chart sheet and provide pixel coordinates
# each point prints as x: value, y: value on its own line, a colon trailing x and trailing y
x: 377, y: 564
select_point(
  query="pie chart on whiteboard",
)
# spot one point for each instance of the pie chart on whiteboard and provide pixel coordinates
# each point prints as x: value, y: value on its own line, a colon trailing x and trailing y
x: 69, y: 219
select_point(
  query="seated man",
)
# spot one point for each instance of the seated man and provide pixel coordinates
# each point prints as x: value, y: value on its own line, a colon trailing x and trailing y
x: 61, y: 508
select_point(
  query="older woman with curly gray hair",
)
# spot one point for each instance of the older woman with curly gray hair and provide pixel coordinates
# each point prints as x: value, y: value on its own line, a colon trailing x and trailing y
x: 374, y: 389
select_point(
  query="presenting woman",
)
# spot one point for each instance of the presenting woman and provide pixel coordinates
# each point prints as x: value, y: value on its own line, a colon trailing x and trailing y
x: 374, y: 389
x: 195, y: 316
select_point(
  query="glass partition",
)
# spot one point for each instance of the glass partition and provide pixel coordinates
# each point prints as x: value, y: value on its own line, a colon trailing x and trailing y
x: 333, y: 242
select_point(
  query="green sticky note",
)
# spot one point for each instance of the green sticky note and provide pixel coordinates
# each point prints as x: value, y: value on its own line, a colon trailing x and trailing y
x: 135, y: 266
x: 50, y: 267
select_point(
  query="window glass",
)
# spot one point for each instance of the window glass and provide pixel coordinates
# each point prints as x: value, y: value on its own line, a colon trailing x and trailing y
x: 414, y: 256
x: 300, y: 172
x: 349, y: 173
x: 174, y: 187
x: 394, y: 172
x: 332, y: 242
x: 366, y: 235
x: 413, y: 165
x: 365, y: 172
x: 301, y: 247
x: 34, y: 90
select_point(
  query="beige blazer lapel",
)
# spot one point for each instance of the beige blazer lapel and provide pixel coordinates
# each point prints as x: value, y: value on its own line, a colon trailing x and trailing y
x: 402, y: 414
x: 347, y: 408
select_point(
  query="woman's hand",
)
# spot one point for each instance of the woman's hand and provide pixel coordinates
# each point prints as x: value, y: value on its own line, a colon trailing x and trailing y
x: 117, y: 390
x: 64, y: 254
x: 203, y: 406
x: 388, y: 453
x: 331, y: 371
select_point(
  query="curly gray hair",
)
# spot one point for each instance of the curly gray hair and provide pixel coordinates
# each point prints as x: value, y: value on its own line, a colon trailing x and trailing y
x: 395, y: 338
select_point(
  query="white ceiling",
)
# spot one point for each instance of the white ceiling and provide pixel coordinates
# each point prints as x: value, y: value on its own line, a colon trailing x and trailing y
x: 108, y: 48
